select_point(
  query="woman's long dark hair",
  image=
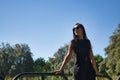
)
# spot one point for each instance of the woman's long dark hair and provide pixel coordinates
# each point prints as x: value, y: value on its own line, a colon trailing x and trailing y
x: 84, y: 33
x: 75, y: 37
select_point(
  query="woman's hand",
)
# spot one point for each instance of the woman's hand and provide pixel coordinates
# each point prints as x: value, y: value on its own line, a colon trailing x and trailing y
x: 57, y: 71
x: 99, y: 78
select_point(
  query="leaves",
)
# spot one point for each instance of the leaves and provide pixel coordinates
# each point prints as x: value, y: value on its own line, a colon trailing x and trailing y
x: 15, y: 59
x: 112, y: 61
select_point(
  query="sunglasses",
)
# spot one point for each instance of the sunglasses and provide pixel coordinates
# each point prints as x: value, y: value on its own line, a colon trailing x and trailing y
x: 76, y: 28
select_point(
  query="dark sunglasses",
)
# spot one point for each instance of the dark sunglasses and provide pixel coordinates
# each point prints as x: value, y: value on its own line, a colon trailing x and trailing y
x: 76, y: 28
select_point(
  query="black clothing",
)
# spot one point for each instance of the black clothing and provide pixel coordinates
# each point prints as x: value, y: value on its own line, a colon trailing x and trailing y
x: 83, y: 68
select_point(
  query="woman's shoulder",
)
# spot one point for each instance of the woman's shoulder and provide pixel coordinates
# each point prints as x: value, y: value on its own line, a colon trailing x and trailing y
x: 73, y: 41
x: 88, y: 40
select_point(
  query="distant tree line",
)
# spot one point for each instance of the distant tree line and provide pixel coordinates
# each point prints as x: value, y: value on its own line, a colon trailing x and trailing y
x: 18, y: 58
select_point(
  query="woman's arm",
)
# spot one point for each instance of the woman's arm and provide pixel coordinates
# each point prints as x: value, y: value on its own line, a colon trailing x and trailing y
x: 93, y: 61
x: 92, y: 58
x: 66, y: 59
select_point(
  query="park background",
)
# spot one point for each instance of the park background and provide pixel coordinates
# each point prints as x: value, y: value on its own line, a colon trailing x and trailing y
x: 45, y: 26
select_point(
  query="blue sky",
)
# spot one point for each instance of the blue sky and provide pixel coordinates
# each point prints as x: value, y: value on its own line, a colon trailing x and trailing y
x: 46, y: 25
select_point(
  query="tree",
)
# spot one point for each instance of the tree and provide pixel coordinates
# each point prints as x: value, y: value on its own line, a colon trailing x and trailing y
x: 6, y: 59
x: 40, y: 65
x: 15, y: 59
x: 23, y: 59
x: 112, y: 61
x: 98, y: 59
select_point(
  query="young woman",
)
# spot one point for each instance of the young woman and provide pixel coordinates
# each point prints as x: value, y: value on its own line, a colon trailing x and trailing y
x: 85, y: 66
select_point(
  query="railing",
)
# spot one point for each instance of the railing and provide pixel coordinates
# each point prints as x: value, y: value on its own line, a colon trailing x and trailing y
x: 1, y: 78
x: 49, y: 74
x: 38, y: 74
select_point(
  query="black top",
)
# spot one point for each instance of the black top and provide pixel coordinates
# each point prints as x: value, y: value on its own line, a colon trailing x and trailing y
x: 82, y: 51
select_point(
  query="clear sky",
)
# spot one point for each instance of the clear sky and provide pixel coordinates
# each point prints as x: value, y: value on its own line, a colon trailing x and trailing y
x: 46, y: 25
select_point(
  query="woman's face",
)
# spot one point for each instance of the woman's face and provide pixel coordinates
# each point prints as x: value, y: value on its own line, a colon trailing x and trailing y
x: 78, y: 30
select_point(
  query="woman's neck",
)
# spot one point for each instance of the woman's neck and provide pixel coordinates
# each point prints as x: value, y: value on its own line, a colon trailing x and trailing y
x: 80, y: 37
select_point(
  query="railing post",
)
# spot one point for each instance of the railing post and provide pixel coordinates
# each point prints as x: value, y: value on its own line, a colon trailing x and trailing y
x: 43, y: 78
x: 1, y: 78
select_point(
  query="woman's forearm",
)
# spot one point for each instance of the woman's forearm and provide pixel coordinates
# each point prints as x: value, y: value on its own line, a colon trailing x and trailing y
x: 93, y: 62
x: 67, y: 57
x: 65, y: 61
x: 94, y: 66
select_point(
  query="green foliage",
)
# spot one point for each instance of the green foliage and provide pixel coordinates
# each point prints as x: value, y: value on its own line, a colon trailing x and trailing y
x: 40, y: 65
x: 98, y: 60
x: 102, y: 67
x: 111, y: 64
x: 15, y: 59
